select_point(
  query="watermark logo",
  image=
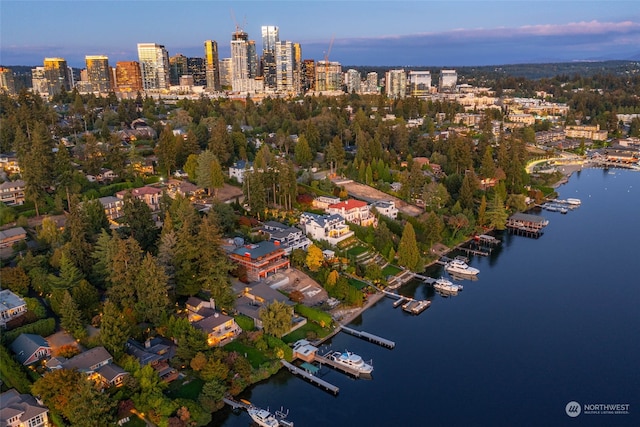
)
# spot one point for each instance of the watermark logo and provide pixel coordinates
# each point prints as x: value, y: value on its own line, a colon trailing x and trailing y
x: 573, y: 409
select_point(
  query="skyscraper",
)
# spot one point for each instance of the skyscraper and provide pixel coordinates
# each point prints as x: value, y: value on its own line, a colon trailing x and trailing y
x: 244, y: 62
x: 353, y: 81
x: 212, y: 68
x: 328, y: 76
x: 7, y: 82
x: 98, y: 73
x: 57, y: 75
x: 285, y: 67
x: 154, y: 66
x: 419, y: 83
x: 270, y: 38
x: 448, y: 80
x: 395, y: 84
x: 178, y: 67
x: 226, y: 73
x: 128, y: 76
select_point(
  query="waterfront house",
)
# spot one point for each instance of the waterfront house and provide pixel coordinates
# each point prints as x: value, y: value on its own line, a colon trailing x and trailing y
x: 323, y: 202
x: 156, y: 352
x: 355, y: 211
x: 12, y: 192
x: 330, y: 228
x: 260, y: 259
x: 22, y: 410
x: 220, y: 328
x: 289, y: 238
x: 11, y: 306
x: 12, y: 236
x: 30, y: 348
x: 256, y: 296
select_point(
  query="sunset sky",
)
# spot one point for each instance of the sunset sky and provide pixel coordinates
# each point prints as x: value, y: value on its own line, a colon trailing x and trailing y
x: 385, y: 33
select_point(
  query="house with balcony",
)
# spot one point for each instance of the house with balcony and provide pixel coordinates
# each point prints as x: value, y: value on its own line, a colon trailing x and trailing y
x: 21, y: 410
x: 11, y: 306
x: 30, y: 348
x: 289, y: 238
x: 260, y: 259
x: 150, y: 195
x: 156, y: 352
x: 220, y: 328
x: 112, y: 207
x: 355, y: 211
x: 386, y: 207
x: 330, y: 228
x: 12, y: 192
x: 323, y: 202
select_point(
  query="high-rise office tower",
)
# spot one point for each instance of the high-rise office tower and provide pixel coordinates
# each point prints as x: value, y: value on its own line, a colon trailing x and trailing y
x: 285, y: 67
x: 353, y: 81
x: 197, y: 69
x: 226, y: 73
x: 39, y: 81
x: 178, y: 67
x: 7, y: 83
x: 448, y: 80
x: 212, y: 68
x: 244, y: 61
x: 395, y: 84
x: 154, y: 66
x: 270, y: 37
x: 328, y: 76
x: 419, y: 83
x: 128, y: 76
x: 297, y: 70
x: 57, y: 75
x: 98, y: 73
x: 308, y: 75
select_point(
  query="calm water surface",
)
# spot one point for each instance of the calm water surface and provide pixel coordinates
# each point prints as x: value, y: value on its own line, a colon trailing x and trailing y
x: 550, y: 320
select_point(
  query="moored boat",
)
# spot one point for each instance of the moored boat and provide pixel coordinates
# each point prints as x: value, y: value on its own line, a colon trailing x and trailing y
x: 262, y: 417
x: 460, y: 267
x: 446, y: 286
x: 352, y: 361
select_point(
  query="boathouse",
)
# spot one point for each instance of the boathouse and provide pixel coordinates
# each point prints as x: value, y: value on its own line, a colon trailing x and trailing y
x: 526, y: 224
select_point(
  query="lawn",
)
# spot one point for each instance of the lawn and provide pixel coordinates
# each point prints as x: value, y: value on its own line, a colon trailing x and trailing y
x: 358, y: 284
x: 390, y: 270
x: 301, y: 333
x: 255, y: 357
x: 190, y: 390
x: 357, y: 250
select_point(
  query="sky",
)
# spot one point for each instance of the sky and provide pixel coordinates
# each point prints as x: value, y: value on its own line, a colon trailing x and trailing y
x: 364, y: 32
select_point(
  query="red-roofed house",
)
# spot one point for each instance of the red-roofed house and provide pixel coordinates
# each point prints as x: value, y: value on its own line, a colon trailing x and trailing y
x: 355, y: 211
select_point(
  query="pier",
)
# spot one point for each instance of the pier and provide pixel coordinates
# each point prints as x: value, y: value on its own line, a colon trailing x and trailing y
x: 416, y: 307
x: 526, y: 225
x: 235, y: 404
x: 430, y: 280
x: 369, y: 337
x: 310, y: 377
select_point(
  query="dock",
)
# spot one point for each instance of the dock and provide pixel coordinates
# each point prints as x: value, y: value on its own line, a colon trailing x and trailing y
x: 399, y: 301
x: 400, y: 279
x: 526, y: 225
x: 235, y: 404
x: 370, y: 337
x: 416, y: 307
x: 426, y: 279
x: 310, y: 377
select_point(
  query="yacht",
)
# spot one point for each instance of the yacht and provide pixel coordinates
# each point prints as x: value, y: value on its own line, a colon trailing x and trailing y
x: 446, y: 286
x: 262, y: 417
x: 460, y: 267
x: 352, y: 361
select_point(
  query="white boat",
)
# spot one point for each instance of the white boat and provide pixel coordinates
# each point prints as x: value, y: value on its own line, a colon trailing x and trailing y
x: 352, y: 361
x: 574, y: 201
x: 262, y: 417
x: 446, y: 286
x: 460, y: 267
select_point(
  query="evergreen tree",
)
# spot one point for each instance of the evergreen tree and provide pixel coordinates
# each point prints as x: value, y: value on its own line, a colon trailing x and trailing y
x: 114, y: 329
x: 71, y: 316
x: 496, y: 213
x: 468, y: 188
x: 482, y: 210
x: 124, y: 266
x: 167, y: 151
x: 220, y: 142
x: 137, y: 215
x: 408, y: 253
x: 36, y: 164
x: 151, y: 291
x: 303, y: 155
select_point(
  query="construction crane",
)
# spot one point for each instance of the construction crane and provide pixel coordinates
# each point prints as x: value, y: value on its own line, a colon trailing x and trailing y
x: 326, y: 64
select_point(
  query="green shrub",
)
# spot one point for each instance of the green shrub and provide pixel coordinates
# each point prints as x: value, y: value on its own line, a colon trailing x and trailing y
x: 43, y: 327
x: 320, y: 317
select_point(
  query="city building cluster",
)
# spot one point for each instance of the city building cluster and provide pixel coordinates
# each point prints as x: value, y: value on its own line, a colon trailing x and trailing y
x: 279, y: 70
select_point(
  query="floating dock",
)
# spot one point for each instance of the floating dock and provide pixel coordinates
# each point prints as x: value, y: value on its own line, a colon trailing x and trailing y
x: 370, y: 337
x: 416, y: 307
x: 310, y: 377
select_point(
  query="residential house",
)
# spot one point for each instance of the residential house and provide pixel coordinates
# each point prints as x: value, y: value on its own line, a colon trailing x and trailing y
x: 11, y: 306
x: 183, y: 188
x: 12, y: 192
x: 30, y: 348
x: 355, y: 211
x: 22, y: 410
x: 112, y: 207
x: 150, y: 195
x: 11, y: 236
x: 253, y: 298
x: 220, y: 328
x: 289, y: 238
x: 323, y: 202
x: 9, y: 163
x: 156, y: 352
x: 97, y: 363
x: 330, y: 228
x: 238, y: 170
x: 386, y: 207
x: 260, y: 259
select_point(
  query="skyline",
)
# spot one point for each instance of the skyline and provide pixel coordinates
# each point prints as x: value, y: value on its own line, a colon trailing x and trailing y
x: 373, y: 33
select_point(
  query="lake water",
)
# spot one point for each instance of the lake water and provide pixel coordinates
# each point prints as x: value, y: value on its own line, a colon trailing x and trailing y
x: 550, y: 320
